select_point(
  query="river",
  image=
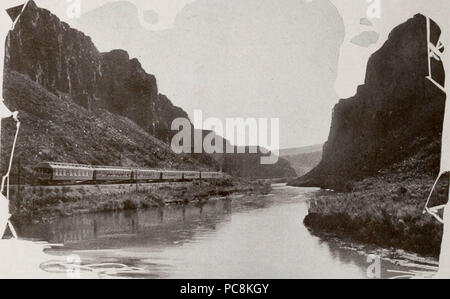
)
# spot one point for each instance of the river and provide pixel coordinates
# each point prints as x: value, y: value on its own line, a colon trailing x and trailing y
x: 246, y: 237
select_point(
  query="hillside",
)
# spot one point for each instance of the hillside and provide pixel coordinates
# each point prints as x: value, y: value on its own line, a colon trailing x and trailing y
x: 97, y: 137
x: 79, y: 105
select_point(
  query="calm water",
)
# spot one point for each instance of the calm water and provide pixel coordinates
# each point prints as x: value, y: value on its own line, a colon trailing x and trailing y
x: 247, y: 237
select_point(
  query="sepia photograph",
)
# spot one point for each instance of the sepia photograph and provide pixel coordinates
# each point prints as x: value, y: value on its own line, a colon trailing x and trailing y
x: 241, y: 141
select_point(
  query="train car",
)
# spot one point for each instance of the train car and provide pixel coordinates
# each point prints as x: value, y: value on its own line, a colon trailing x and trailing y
x: 54, y: 172
x: 47, y: 172
x: 110, y: 173
x: 191, y: 175
x: 148, y: 175
x: 211, y: 175
x: 172, y: 175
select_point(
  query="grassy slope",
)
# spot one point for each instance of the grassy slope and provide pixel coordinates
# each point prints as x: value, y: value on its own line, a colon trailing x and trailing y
x: 56, y: 129
x: 385, y: 209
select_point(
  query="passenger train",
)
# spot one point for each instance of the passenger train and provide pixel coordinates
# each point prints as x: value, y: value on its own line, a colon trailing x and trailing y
x: 59, y: 173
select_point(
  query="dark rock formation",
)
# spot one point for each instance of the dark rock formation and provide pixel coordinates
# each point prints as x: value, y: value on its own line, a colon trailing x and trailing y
x: 65, y: 61
x: 397, y: 114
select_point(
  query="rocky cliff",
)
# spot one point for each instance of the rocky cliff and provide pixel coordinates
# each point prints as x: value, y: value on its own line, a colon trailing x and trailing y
x: 66, y: 62
x: 80, y: 105
x: 395, y: 116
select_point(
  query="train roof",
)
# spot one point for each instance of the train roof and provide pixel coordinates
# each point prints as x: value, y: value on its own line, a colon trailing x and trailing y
x: 112, y: 168
x: 62, y: 165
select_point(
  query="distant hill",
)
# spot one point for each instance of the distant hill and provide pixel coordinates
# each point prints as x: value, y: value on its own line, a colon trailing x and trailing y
x: 304, y: 163
x: 303, y: 159
x: 301, y: 150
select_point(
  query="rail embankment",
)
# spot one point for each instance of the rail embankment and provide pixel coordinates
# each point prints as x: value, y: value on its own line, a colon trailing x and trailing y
x: 44, y: 204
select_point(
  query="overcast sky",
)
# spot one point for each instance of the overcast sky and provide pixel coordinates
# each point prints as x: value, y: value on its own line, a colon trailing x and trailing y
x: 290, y: 59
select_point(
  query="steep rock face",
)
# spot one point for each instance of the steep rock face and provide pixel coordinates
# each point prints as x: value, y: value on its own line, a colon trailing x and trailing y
x: 397, y: 114
x: 66, y: 62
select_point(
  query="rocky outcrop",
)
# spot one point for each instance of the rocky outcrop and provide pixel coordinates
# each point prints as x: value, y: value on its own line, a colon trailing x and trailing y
x: 397, y: 114
x: 66, y: 62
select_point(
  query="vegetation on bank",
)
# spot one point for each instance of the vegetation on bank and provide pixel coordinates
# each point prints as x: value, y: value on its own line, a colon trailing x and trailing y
x: 385, y: 210
x: 39, y: 204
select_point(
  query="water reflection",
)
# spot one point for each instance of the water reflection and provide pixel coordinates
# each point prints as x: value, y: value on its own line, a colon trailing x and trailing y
x: 248, y: 237
x: 169, y: 225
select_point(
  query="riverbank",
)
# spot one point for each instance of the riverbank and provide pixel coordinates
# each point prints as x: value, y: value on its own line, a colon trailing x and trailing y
x: 385, y: 210
x: 44, y: 204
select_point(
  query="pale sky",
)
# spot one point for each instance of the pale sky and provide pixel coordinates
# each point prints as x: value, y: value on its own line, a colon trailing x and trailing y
x: 290, y: 59
x: 238, y: 58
